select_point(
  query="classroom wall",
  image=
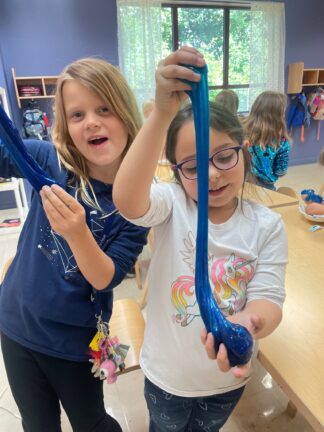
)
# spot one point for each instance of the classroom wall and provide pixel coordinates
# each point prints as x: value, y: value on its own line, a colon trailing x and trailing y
x: 2, y: 75
x: 305, y: 42
x: 40, y: 38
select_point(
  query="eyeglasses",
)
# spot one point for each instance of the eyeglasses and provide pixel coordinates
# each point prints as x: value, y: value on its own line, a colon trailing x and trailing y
x: 222, y: 160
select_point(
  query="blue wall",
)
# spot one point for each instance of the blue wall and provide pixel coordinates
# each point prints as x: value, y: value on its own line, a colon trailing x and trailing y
x: 304, y: 43
x: 40, y: 37
x: 2, y: 75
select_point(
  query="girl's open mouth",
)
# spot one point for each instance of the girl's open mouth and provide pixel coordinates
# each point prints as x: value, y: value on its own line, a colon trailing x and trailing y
x: 97, y: 141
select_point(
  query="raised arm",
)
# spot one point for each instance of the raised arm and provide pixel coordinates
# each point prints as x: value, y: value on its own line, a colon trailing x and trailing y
x: 131, y: 191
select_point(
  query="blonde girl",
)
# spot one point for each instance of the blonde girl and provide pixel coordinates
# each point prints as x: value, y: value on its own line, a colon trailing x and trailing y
x: 73, y: 250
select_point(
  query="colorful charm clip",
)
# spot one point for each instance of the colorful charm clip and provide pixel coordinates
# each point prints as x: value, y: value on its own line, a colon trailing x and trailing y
x: 107, y: 354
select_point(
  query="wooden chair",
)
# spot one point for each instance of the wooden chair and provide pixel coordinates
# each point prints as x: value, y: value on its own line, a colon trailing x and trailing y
x: 126, y: 322
x: 138, y: 274
x: 5, y: 268
x: 286, y: 190
x: 142, y: 300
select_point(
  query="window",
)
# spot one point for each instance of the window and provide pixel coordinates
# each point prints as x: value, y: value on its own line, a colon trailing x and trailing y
x: 222, y: 34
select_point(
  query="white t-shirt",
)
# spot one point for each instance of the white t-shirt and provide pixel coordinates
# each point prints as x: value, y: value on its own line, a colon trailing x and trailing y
x: 247, y: 260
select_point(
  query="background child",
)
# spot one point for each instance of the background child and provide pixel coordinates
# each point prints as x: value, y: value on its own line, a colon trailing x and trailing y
x: 247, y: 252
x: 228, y: 99
x: 73, y: 250
x: 266, y: 133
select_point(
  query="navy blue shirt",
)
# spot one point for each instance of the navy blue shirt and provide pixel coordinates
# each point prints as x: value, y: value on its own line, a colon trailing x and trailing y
x: 45, y: 302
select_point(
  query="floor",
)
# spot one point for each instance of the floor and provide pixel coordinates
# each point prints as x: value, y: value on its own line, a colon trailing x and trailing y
x: 261, y: 409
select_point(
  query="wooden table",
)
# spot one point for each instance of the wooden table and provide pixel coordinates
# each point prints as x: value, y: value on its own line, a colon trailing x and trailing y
x: 294, y: 353
x: 268, y: 197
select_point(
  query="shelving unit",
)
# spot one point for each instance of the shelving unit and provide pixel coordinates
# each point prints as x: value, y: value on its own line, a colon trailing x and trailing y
x: 17, y: 186
x: 47, y: 85
x: 299, y: 77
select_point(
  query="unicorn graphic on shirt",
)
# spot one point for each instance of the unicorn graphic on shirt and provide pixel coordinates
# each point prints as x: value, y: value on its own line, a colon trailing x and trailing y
x: 229, y: 276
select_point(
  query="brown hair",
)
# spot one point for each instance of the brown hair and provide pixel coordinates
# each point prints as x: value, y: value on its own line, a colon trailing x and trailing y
x: 266, y: 123
x: 108, y: 83
x: 228, y: 99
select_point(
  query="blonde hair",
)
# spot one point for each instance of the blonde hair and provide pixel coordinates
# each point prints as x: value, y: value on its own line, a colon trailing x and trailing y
x: 228, y: 99
x: 266, y: 123
x: 108, y: 83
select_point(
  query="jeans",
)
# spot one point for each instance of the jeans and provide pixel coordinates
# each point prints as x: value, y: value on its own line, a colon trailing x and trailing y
x: 39, y: 382
x: 188, y: 414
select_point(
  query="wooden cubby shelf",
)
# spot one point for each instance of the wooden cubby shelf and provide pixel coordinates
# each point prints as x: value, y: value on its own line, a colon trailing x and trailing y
x: 46, y: 84
x: 299, y: 77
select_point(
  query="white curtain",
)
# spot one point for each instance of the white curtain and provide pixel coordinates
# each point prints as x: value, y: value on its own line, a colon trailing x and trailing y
x: 267, y: 45
x: 139, y: 44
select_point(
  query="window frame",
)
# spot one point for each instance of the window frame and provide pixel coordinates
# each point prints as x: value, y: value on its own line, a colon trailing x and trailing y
x: 226, y: 27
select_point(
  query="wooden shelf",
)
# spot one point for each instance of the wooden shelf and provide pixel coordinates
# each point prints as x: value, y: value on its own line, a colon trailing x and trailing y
x: 46, y: 84
x: 299, y: 77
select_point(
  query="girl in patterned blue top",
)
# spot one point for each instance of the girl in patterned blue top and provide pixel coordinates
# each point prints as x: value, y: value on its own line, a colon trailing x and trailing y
x: 267, y: 138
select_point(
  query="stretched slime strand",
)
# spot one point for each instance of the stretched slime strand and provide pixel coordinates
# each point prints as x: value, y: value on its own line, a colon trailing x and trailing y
x: 28, y: 167
x: 236, y: 338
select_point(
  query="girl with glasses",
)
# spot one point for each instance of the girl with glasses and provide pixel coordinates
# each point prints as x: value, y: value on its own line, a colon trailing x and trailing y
x: 185, y: 389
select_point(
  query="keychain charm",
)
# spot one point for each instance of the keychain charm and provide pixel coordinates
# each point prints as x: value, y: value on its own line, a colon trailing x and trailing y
x: 107, y: 354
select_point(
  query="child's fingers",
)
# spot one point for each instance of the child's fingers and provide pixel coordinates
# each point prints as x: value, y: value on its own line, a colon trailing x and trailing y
x: 64, y: 197
x: 173, y: 66
x: 185, y: 55
x: 242, y: 371
x: 191, y: 50
x: 203, y: 336
x: 52, y: 200
x: 51, y: 211
x: 177, y: 72
x: 222, y: 359
x: 208, y: 341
